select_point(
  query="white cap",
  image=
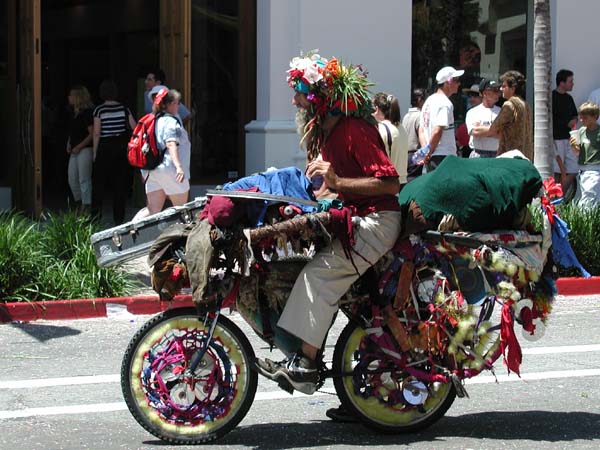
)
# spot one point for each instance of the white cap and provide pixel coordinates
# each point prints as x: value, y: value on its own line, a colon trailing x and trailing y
x: 445, y: 73
x: 474, y: 88
x: 155, y: 90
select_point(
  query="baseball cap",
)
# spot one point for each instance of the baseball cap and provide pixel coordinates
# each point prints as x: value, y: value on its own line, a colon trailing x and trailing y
x: 488, y: 84
x: 474, y: 89
x: 155, y: 90
x: 446, y: 73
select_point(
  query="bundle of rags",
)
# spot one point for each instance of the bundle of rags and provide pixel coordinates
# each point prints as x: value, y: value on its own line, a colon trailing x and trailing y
x: 480, y: 194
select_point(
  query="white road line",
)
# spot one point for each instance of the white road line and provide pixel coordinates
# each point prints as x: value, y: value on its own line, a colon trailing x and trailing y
x: 66, y: 381
x: 535, y: 376
x: 61, y: 410
x: 276, y: 395
x: 115, y: 378
x: 561, y: 349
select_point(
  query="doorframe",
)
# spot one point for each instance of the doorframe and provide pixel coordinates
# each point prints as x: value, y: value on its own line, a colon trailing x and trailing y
x: 175, y: 37
x: 28, y: 192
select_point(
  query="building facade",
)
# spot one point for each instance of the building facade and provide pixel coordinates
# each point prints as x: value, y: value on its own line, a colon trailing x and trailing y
x: 229, y: 59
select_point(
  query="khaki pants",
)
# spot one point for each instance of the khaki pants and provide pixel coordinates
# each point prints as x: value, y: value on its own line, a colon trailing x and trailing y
x: 313, y: 302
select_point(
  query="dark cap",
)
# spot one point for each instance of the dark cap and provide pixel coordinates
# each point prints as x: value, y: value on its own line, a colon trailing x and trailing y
x: 488, y: 84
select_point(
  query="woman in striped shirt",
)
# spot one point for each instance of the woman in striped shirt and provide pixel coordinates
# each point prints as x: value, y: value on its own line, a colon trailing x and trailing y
x: 113, y: 123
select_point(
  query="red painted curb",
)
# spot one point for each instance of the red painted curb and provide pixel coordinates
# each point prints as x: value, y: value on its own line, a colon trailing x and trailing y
x: 578, y: 286
x: 85, y: 308
x: 96, y: 307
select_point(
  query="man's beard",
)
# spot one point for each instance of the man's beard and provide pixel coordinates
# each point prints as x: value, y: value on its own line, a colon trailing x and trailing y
x: 303, y: 115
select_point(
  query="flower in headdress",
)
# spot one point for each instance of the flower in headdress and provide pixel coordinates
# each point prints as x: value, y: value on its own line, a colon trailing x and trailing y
x: 305, y: 72
x: 330, y: 86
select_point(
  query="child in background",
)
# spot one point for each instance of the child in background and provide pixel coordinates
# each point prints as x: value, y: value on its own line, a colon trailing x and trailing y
x: 586, y: 143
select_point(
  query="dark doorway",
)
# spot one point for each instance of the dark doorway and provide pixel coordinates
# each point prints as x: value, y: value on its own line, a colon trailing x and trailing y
x: 85, y: 42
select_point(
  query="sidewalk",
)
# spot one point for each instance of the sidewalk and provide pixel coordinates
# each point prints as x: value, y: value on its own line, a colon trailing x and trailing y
x: 145, y: 301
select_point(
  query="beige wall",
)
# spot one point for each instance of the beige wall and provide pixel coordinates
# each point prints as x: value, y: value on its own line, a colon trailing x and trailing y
x: 576, y: 34
x: 377, y: 35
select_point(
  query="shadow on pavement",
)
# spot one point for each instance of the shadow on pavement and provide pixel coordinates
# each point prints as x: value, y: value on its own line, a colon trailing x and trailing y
x: 546, y: 426
x: 44, y: 333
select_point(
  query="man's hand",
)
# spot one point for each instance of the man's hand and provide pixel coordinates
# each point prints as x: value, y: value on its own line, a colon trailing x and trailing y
x: 325, y: 169
x: 574, y: 145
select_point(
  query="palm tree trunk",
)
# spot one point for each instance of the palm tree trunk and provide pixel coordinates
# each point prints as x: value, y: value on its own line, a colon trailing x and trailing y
x: 542, y: 67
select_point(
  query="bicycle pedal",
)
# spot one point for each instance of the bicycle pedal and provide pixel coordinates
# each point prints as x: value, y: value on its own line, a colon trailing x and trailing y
x: 459, y: 387
x: 285, y: 385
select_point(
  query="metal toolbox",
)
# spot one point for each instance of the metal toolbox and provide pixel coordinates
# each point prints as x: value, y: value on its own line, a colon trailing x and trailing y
x: 133, y: 239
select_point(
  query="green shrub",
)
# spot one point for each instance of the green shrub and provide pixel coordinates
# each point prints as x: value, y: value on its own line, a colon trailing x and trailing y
x: 54, y: 260
x: 21, y: 257
x: 584, y: 236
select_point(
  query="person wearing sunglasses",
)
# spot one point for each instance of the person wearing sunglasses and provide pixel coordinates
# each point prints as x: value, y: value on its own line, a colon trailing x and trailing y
x: 479, y: 119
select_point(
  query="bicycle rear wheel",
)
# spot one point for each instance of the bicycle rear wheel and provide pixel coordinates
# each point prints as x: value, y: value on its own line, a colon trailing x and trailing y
x: 384, y: 398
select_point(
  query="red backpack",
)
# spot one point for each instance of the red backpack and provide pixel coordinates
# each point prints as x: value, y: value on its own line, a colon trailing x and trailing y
x: 142, y: 150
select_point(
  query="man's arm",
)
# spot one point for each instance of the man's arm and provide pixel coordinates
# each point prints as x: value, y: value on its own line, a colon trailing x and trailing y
x: 96, y: 135
x: 356, y: 186
x: 421, y: 134
x: 483, y: 131
x: 505, y: 116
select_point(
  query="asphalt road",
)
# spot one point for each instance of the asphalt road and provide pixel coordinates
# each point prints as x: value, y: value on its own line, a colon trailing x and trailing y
x: 59, y: 389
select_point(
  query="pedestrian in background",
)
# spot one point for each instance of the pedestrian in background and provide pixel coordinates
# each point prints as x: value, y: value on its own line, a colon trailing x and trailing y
x: 171, y: 177
x: 595, y: 98
x: 393, y: 134
x: 586, y: 143
x: 514, y: 122
x: 437, y: 118
x: 410, y: 122
x: 473, y: 96
x: 113, y: 123
x: 79, y: 147
x: 155, y: 80
x: 479, y: 119
x: 564, y: 119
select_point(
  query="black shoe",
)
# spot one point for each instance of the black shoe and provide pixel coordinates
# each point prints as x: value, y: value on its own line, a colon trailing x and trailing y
x: 341, y: 414
x: 298, y: 371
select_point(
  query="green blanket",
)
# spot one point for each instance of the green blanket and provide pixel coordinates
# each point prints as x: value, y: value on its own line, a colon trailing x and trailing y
x: 481, y: 193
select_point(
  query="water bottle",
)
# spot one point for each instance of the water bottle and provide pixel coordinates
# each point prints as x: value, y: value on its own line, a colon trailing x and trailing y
x: 419, y: 155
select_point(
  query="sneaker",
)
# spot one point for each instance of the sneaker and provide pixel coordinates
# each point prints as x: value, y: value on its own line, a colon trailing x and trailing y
x: 298, y: 371
x: 341, y: 414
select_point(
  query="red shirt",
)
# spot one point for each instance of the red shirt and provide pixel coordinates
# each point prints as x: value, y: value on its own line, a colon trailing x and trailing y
x: 355, y: 150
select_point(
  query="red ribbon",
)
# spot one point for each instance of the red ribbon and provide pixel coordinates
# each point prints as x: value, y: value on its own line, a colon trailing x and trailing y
x: 527, y: 320
x: 508, y: 341
x: 161, y: 94
x: 552, y: 190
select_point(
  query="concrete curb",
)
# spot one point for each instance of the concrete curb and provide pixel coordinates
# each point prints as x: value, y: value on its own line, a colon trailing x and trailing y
x: 86, y: 308
x: 151, y: 304
x: 578, y: 286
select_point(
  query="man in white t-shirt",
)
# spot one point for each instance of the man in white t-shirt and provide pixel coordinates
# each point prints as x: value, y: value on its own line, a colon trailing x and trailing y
x: 480, y: 118
x: 437, y: 118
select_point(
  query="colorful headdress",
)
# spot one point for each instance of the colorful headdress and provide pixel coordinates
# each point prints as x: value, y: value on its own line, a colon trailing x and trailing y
x: 332, y: 89
x: 330, y: 86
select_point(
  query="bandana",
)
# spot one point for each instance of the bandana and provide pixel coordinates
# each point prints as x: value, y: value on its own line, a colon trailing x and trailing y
x: 160, y: 95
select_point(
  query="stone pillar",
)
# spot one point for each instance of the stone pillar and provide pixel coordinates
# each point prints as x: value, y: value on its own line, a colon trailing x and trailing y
x: 378, y: 37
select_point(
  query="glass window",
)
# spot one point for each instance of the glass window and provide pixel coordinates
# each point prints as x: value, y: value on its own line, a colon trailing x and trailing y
x: 3, y: 38
x: 484, y: 37
x: 215, y: 92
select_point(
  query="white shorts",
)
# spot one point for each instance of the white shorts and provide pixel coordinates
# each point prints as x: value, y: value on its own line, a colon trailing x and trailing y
x: 589, y: 183
x: 568, y: 156
x: 163, y: 178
